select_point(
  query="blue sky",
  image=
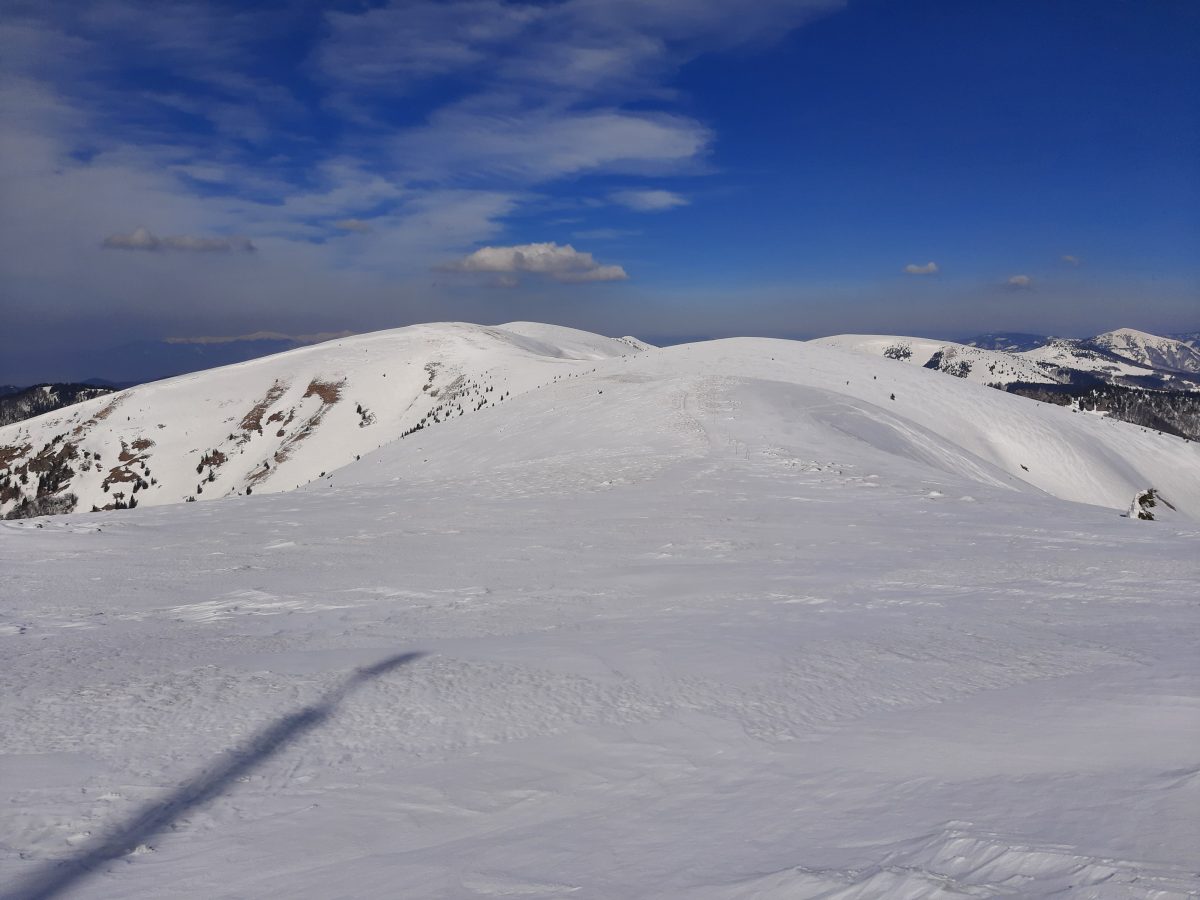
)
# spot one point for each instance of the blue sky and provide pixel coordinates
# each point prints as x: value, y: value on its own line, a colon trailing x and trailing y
x: 670, y: 168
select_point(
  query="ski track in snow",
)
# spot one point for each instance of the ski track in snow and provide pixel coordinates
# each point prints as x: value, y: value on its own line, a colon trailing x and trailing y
x: 703, y: 637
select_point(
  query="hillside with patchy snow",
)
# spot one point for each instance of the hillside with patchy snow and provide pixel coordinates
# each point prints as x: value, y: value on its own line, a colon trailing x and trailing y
x: 275, y: 423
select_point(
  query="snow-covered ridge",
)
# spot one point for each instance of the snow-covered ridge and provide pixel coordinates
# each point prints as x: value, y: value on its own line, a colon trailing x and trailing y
x: 994, y: 367
x: 281, y: 422
x: 1125, y: 358
x: 1149, y: 349
x: 277, y: 422
x: 1071, y: 355
x: 806, y: 401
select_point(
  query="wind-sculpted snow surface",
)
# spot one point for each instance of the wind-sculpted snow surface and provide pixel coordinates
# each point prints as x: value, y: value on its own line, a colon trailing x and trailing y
x: 705, y: 622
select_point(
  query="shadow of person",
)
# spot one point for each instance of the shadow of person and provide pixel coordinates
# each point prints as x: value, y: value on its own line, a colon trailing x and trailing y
x: 157, y: 816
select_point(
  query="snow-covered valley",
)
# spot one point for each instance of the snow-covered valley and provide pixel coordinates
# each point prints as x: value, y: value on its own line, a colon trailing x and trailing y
x: 746, y: 618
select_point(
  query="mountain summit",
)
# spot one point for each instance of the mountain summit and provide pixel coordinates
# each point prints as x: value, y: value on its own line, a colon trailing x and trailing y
x: 278, y: 422
x: 1149, y: 349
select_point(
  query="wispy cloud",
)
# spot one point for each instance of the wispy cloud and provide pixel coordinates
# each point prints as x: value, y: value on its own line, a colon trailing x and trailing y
x: 211, y: 121
x: 579, y: 48
x: 263, y: 336
x: 560, y: 262
x: 1019, y: 282
x: 929, y: 268
x: 1072, y: 260
x: 648, y: 200
x: 538, y: 146
x: 605, y: 234
x: 141, y: 239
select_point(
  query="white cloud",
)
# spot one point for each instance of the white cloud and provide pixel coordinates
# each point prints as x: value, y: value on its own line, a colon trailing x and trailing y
x: 561, y: 262
x: 538, y: 94
x: 141, y: 239
x: 648, y: 200
x: 536, y: 146
x: 1072, y: 260
x: 1020, y: 282
x: 580, y: 47
x: 392, y: 47
x: 930, y: 268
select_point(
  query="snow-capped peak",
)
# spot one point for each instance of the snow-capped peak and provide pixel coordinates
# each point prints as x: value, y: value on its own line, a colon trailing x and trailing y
x: 1149, y: 349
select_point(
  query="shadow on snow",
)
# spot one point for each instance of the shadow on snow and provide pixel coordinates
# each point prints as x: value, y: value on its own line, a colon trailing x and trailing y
x: 156, y: 817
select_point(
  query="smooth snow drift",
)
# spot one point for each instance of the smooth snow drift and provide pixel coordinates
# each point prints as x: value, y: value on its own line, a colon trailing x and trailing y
x: 705, y: 622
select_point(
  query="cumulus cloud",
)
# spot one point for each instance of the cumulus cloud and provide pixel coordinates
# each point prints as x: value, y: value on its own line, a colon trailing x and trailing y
x: 142, y: 239
x: 648, y: 200
x: 561, y: 262
x: 930, y: 268
x: 1071, y: 260
x: 1020, y: 282
x: 353, y: 225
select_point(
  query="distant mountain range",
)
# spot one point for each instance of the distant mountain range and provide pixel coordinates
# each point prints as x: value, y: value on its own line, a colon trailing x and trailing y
x: 1130, y: 375
x: 1008, y: 341
x: 18, y: 403
x: 141, y: 361
x: 1172, y: 353
x: 1191, y: 338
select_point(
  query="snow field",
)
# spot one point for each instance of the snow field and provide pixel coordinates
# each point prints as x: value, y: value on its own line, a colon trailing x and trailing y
x: 706, y: 622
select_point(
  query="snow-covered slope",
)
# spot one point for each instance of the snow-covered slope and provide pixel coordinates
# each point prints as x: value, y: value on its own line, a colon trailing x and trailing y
x: 281, y: 422
x: 1056, y: 361
x: 274, y: 423
x: 1149, y: 349
x: 707, y: 622
x: 1070, y: 359
x: 821, y: 402
x: 977, y: 364
x: 1071, y: 355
